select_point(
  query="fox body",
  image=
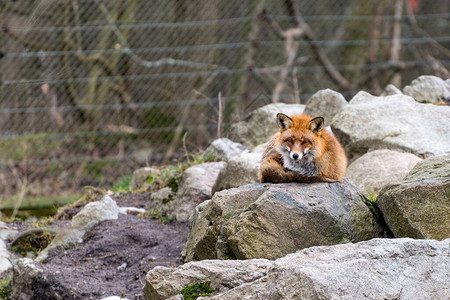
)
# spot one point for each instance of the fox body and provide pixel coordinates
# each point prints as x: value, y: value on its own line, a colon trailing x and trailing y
x: 302, y: 151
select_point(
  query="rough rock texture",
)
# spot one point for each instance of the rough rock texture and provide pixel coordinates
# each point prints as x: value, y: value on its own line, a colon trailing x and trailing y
x: 31, y: 283
x: 261, y: 124
x: 427, y: 88
x: 92, y: 214
x: 195, y: 187
x: 377, y: 168
x: 240, y: 170
x: 390, y: 90
x: 326, y: 103
x: 419, y: 206
x: 95, y: 212
x: 271, y: 220
x: 223, y: 149
x: 395, y: 122
x: 403, y: 269
x: 140, y: 177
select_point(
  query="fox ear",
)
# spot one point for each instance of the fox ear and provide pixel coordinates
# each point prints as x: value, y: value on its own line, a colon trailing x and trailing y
x: 283, y: 121
x: 316, y: 125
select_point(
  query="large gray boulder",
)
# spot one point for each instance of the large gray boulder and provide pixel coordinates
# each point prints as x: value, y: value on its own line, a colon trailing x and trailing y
x: 403, y: 269
x: 377, y: 168
x: 224, y: 149
x: 395, y: 122
x: 240, y: 170
x: 261, y: 124
x: 272, y: 220
x: 326, y: 103
x: 419, y: 206
x: 427, y: 88
x: 195, y: 187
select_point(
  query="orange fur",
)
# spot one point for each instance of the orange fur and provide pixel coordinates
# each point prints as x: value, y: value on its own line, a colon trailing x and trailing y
x: 302, y: 151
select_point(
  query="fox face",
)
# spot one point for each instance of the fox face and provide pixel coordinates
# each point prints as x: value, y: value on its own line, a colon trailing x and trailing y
x: 298, y: 143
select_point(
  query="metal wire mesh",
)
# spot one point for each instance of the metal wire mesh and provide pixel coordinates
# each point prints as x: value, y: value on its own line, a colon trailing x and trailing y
x: 91, y: 89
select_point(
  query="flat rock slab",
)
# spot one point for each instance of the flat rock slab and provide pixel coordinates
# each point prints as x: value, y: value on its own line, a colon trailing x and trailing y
x: 377, y: 269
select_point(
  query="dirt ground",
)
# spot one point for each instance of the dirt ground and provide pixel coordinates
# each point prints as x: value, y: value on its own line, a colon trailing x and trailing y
x: 117, y: 254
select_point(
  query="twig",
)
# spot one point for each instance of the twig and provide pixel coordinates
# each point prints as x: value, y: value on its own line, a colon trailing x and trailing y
x: 420, y: 31
x: 373, y: 44
x: 296, y: 87
x: 143, y: 62
x: 394, y: 53
x: 437, y: 67
x: 320, y: 54
x: 100, y: 257
x: 220, y: 116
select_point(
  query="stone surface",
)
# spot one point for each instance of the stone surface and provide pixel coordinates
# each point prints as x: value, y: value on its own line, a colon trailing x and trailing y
x: 395, y: 122
x: 325, y: 103
x: 95, y: 212
x: 223, y: 149
x: 240, y: 170
x: 5, y: 263
x: 377, y: 168
x: 140, y: 177
x: 271, y: 220
x: 391, y: 90
x: 419, y: 206
x: 31, y: 283
x: 427, y: 88
x: 403, y: 269
x: 261, y: 124
x: 195, y: 187
x: 91, y: 214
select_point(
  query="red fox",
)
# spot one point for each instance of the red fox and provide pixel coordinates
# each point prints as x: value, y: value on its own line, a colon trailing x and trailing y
x: 302, y: 151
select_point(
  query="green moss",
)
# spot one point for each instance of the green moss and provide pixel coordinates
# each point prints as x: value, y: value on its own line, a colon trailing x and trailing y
x: 122, y: 185
x: 32, y: 244
x: 5, y: 287
x: 170, y: 176
x: 193, y: 291
x: 158, y: 214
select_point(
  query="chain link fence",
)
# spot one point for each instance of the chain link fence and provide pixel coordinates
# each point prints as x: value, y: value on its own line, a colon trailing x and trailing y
x: 92, y: 89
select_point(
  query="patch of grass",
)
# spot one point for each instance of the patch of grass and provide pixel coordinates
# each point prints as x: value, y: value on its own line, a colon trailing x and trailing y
x: 193, y: 291
x: 372, y: 198
x: 122, y: 185
x: 158, y: 214
x: 32, y: 244
x: 170, y: 176
x: 5, y: 287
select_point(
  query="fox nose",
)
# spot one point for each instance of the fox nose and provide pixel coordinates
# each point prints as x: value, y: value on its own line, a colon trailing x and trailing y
x: 295, y: 156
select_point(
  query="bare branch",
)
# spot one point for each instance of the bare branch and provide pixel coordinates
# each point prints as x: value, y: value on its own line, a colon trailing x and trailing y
x: 420, y: 31
x: 394, y: 53
x: 320, y: 54
x: 373, y: 44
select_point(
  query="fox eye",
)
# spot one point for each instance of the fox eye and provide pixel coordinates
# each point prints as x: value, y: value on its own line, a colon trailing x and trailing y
x: 305, y: 142
x: 290, y: 141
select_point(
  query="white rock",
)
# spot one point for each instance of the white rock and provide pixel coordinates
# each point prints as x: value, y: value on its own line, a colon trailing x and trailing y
x: 427, y: 89
x: 403, y: 269
x: 377, y: 168
x: 325, y: 103
x: 95, y: 212
x: 394, y: 122
x: 223, y: 149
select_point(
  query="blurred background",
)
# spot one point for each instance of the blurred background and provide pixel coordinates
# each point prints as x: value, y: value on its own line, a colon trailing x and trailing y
x: 92, y: 89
